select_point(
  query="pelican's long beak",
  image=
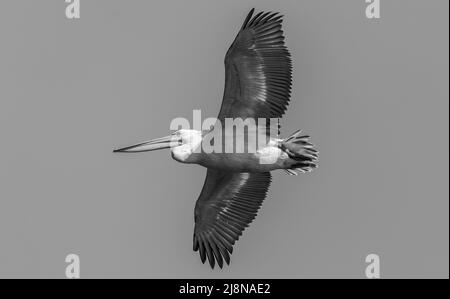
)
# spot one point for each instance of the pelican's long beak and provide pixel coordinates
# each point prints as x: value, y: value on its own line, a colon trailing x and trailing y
x: 155, y: 144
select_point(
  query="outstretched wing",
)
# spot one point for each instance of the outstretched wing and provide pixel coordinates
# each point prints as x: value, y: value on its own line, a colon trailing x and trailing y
x: 257, y: 70
x: 226, y: 206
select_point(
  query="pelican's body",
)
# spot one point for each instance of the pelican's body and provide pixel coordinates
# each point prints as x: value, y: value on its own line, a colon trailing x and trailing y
x: 239, y: 162
x: 267, y: 157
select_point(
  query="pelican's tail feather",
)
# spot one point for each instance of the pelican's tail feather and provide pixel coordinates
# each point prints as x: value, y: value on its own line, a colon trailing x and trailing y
x: 303, y: 154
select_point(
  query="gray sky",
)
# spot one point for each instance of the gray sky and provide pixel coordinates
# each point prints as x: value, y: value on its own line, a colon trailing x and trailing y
x: 373, y: 94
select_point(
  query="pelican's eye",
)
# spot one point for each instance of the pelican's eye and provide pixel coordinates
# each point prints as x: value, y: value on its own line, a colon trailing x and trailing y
x: 177, y: 139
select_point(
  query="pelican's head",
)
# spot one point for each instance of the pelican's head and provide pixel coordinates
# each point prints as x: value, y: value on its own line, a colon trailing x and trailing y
x: 182, y: 144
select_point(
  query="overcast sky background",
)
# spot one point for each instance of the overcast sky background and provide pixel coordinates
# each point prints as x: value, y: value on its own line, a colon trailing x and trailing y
x: 372, y: 93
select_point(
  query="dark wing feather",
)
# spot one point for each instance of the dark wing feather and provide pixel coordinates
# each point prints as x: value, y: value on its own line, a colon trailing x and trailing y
x: 257, y: 70
x: 226, y: 206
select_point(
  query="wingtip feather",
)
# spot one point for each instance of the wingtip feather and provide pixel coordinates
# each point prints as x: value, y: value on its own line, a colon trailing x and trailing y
x: 247, y: 19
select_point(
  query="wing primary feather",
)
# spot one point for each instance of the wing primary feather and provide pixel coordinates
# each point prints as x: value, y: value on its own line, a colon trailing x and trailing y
x: 228, y: 239
x: 268, y: 18
x: 258, y: 21
x: 195, y: 243
x: 268, y: 25
x: 202, y: 251
x: 209, y: 253
x: 217, y: 254
x: 279, y: 17
x: 223, y: 243
x: 253, y: 21
x: 247, y: 19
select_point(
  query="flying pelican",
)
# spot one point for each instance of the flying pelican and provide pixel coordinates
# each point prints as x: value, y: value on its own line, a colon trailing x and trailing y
x: 257, y: 86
